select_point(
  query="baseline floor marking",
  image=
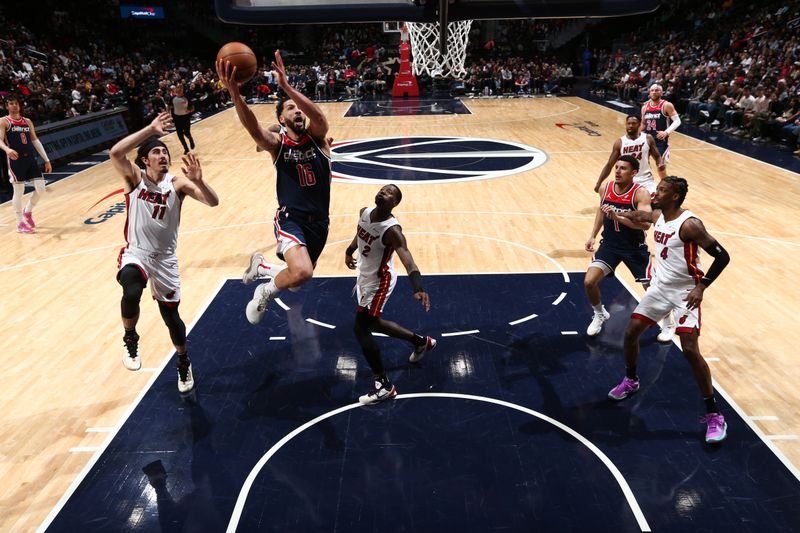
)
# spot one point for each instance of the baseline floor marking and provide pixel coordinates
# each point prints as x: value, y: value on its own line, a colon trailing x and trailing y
x: 457, y: 333
x: 100, y: 430
x: 318, y: 323
x: 626, y: 490
x: 569, y: 332
x: 84, y: 449
x: 134, y: 404
x: 523, y: 319
x: 764, y: 417
x: 783, y: 437
x: 735, y: 406
x: 281, y: 304
x: 277, y: 338
x: 560, y: 297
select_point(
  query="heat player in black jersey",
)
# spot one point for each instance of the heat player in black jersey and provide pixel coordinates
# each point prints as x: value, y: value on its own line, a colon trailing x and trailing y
x: 19, y: 141
x: 301, y: 155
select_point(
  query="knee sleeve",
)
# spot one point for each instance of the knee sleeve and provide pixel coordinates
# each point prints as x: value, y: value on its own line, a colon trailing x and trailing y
x: 133, y: 283
x: 175, y: 325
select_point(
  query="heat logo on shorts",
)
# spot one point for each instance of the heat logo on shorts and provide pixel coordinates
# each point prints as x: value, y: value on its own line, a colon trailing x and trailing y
x: 429, y: 159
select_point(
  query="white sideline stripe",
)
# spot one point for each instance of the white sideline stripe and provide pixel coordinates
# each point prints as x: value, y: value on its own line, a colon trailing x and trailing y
x: 283, y: 305
x: 84, y: 449
x: 523, y: 319
x: 99, y: 451
x: 626, y: 490
x: 757, y: 430
x: 456, y: 333
x: 617, y: 103
x: 783, y: 437
x: 764, y: 417
x: 149, y: 369
x: 100, y: 430
x: 318, y: 323
x: 277, y: 338
x: 569, y: 332
x: 712, y: 359
x: 561, y: 297
x: 376, y: 334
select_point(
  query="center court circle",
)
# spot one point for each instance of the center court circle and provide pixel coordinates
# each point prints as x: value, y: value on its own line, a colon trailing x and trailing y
x: 430, y: 159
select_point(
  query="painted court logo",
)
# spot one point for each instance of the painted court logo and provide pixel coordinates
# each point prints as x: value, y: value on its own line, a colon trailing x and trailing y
x: 586, y: 127
x: 430, y: 159
x: 116, y: 209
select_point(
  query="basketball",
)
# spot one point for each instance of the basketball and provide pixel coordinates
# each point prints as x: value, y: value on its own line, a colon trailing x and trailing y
x: 242, y: 57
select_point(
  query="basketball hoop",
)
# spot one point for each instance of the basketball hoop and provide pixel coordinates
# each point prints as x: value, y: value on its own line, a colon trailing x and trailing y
x: 425, y: 48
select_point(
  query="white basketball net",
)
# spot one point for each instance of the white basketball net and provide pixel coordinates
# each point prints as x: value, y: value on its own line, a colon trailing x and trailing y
x: 425, y: 54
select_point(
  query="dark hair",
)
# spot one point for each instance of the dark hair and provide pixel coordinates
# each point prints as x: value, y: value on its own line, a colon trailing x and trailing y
x: 399, y: 192
x: 636, y: 117
x: 630, y: 159
x: 679, y: 186
x: 145, y: 148
x: 13, y: 98
x: 279, y: 107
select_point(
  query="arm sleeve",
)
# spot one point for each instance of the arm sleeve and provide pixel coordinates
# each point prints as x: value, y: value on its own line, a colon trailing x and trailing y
x: 39, y: 148
x: 676, y: 121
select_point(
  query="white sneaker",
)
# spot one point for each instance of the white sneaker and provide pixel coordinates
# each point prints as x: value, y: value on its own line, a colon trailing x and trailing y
x: 251, y: 273
x: 597, y: 322
x: 130, y: 357
x: 185, y: 377
x: 379, y: 393
x: 420, y: 351
x: 667, y: 332
x: 258, y: 305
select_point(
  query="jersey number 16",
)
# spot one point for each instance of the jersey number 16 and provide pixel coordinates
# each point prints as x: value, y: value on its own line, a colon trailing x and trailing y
x: 305, y: 175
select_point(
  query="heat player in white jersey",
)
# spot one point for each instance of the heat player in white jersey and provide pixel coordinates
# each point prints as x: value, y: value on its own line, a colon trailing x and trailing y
x: 678, y: 284
x: 639, y: 145
x: 378, y: 237
x: 153, y: 198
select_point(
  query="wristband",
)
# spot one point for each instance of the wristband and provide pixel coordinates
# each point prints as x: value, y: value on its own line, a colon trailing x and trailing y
x: 706, y: 281
x: 416, y: 281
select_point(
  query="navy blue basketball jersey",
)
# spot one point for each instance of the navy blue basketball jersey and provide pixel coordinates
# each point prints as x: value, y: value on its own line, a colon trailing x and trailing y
x: 615, y: 234
x: 18, y: 136
x: 654, y: 118
x: 304, y: 176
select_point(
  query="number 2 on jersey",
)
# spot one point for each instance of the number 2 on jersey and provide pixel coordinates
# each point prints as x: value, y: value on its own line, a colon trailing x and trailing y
x: 305, y: 174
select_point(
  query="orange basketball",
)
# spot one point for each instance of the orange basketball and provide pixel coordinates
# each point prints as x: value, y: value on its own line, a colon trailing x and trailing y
x: 242, y: 57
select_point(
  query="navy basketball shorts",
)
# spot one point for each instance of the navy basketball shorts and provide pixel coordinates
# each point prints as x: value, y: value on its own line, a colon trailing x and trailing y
x: 663, y: 149
x: 23, y: 169
x: 296, y: 230
x: 637, y: 260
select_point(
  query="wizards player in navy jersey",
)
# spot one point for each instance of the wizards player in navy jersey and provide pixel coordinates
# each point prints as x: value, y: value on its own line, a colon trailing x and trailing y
x: 623, y: 241
x: 659, y: 119
x: 19, y: 141
x: 301, y: 154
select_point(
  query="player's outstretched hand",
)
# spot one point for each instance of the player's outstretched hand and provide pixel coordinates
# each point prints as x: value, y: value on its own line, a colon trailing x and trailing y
x: 227, y: 75
x: 423, y: 298
x: 279, y: 69
x: 161, y: 123
x: 191, y: 168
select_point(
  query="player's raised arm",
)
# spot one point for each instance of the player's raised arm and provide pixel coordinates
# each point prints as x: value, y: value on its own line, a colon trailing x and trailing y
x: 615, y: 153
x: 192, y: 183
x: 118, y: 154
x: 394, y: 237
x: 264, y: 138
x: 318, y: 127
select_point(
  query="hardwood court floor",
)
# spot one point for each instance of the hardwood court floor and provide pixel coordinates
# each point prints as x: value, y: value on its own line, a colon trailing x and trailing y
x: 60, y: 334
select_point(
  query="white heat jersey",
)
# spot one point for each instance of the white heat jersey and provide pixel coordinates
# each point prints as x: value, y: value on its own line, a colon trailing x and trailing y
x: 677, y: 262
x: 639, y: 149
x: 374, y: 257
x: 154, y: 214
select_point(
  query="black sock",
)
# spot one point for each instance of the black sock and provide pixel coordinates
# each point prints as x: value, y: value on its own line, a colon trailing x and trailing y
x: 419, y: 340
x: 183, y: 357
x: 383, y: 380
x: 711, y: 404
x: 630, y: 373
x: 130, y: 332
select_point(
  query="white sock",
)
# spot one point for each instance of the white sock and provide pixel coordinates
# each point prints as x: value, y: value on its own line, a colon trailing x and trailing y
x: 38, y: 191
x: 16, y: 200
x: 598, y: 308
x: 270, y: 270
x: 272, y: 289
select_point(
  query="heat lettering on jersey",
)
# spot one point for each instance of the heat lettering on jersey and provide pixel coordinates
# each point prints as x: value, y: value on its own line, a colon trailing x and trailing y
x: 661, y: 237
x: 154, y: 197
x: 366, y: 236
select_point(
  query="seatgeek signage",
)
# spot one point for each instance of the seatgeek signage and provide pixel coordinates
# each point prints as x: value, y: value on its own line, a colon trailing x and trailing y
x: 139, y: 12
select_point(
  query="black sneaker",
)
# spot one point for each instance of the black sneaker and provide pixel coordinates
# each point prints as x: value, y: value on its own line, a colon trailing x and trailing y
x: 130, y: 357
x: 381, y: 392
x: 185, y: 377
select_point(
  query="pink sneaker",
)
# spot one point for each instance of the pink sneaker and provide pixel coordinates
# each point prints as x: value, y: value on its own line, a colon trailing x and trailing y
x: 624, y: 389
x: 24, y: 228
x: 717, y: 427
x: 28, y: 216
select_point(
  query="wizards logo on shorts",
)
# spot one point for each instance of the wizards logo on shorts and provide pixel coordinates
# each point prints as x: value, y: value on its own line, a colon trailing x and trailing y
x: 430, y: 159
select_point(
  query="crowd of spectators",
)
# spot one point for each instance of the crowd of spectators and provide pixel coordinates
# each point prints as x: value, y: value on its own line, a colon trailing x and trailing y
x: 733, y: 67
